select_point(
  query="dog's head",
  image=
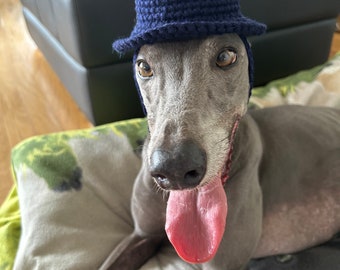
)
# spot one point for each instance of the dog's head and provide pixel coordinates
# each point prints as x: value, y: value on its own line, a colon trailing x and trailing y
x: 194, y: 92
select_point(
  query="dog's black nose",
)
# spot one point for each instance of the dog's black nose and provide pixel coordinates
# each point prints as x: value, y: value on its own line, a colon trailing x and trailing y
x: 182, y: 167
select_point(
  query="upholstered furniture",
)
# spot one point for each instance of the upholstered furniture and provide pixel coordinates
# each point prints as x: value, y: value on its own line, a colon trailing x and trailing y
x: 76, y: 36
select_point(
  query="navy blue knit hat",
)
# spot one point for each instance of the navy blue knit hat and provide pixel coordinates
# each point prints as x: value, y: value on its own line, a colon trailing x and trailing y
x: 174, y: 20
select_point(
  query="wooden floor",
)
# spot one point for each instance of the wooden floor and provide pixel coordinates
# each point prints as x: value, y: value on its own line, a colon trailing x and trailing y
x: 32, y: 99
x: 336, y: 42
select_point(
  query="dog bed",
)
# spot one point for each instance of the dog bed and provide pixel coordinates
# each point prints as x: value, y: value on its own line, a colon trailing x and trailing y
x: 69, y: 206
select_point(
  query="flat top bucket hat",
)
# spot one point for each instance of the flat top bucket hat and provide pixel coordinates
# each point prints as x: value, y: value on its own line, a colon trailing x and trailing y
x: 175, y: 20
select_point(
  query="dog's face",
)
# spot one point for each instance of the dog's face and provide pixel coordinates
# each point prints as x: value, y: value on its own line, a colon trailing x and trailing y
x: 194, y: 93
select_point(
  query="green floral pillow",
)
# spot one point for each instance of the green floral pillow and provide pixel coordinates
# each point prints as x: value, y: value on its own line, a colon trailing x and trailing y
x: 53, y: 160
x: 318, y: 86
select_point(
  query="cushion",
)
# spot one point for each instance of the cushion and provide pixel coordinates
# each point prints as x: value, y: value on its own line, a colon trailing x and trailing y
x: 70, y: 203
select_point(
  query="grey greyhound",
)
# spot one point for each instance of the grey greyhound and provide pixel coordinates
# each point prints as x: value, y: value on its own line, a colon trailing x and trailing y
x: 222, y: 184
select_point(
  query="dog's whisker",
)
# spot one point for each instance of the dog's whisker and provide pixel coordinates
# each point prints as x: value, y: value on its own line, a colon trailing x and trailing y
x: 165, y: 194
x: 226, y: 138
x: 158, y: 189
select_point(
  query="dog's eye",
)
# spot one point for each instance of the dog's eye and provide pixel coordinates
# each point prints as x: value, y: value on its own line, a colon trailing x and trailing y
x: 144, y: 69
x: 226, y: 58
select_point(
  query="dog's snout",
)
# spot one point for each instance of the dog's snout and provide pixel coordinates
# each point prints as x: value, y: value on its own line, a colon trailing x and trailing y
x: 182, y: 167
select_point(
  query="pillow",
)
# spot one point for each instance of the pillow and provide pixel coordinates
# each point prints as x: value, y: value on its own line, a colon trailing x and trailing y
x: 318, y: 86
x: 74, y: 193
x: 10, y: 229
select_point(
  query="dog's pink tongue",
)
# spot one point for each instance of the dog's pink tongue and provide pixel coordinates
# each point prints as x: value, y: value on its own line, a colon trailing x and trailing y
x: 195, y: 221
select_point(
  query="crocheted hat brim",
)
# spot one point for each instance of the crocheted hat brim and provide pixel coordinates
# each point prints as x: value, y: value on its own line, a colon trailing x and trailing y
x: 186, y: 31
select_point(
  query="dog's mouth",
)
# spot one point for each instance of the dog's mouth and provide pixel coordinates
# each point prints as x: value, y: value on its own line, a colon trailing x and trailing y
x: 227, y: 163
x: 196, y: 218
x: 195, y: 221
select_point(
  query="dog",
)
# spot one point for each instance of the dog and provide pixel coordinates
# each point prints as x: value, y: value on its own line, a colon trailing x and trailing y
x: 224, y: 184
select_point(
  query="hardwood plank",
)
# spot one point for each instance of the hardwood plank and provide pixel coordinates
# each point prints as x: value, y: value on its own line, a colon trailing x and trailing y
x: 33, y: 101
x: 335, y: 48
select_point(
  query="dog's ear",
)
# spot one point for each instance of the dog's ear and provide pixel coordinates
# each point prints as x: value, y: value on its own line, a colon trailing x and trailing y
x: 250, y: 62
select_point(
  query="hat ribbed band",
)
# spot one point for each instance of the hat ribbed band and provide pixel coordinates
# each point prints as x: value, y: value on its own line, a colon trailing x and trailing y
x: 188, y: 30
